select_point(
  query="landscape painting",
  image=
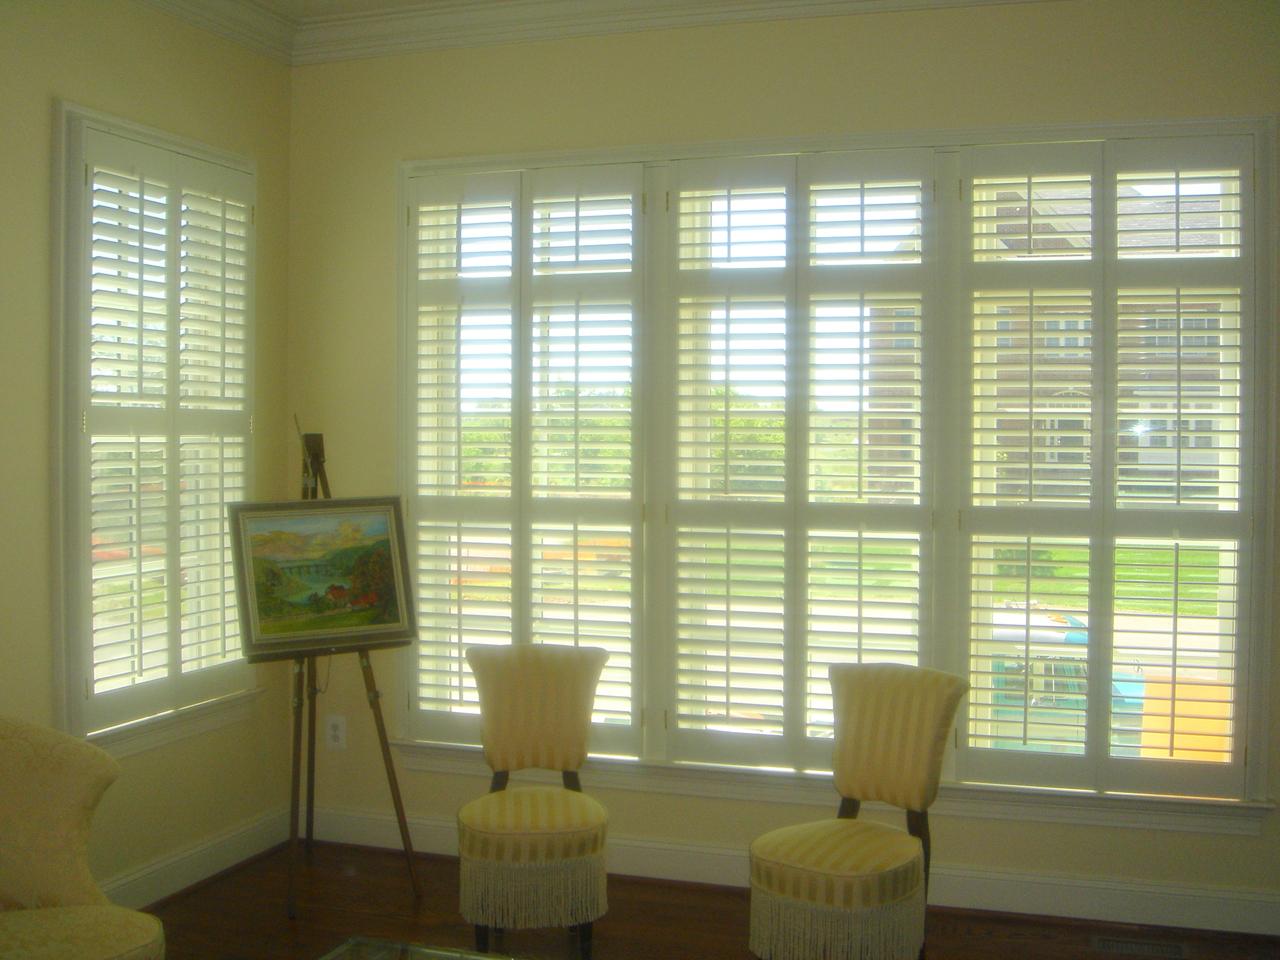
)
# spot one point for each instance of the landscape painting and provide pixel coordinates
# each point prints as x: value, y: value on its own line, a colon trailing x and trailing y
x: 321, y: 576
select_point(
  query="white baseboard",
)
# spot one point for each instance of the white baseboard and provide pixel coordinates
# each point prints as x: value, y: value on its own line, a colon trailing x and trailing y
x: 1238, y: 910
x: 173, y: 872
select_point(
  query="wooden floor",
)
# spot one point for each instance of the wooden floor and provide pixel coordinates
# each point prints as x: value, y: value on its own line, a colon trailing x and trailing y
x: 345, y: 891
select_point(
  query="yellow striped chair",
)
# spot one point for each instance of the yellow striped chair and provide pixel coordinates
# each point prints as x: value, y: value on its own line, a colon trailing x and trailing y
x: 533, y: 856
x: 849, y: 889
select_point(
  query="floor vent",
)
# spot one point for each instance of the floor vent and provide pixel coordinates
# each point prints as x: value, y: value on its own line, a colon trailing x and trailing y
x: 1140, y: 948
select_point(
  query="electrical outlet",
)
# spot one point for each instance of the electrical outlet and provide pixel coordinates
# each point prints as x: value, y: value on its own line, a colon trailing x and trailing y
x: 335, y: 731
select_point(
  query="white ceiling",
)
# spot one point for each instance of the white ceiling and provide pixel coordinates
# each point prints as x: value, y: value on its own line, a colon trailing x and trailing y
x: 314, y: 31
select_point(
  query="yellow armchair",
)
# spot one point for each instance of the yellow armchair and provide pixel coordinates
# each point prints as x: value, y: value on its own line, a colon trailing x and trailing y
x: 533, y: 856
x: 850, y: 889
x: 50, y: 906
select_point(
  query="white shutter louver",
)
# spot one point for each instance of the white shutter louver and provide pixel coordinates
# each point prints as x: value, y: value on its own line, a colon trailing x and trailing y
x: 1033, y: 396
x: 581, y: 404
x: 464, y: 376
x: 862, y: 606
x: 736, y: 227
x: 1178, y: 213
x: 730, y: 647
x: 465, y: 240
x: 1029, y: 644
x: 582, y: 234
x: 1180, y: 396
x: 213, y: 472
x: 1174, y: 650
x: 732, y: 399
x: 866, y: 223
x: 128, y: 300
x: 464, y: 598
x: 581, y: 592
x: 865, y: 395
x: 129, y: 570
x: 1033, y: 218
x: 213, y: 298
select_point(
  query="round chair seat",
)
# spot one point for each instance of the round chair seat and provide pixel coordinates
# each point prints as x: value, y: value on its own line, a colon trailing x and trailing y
x: 86, y: 933
x: 843, y: 864
x: 531, y: 825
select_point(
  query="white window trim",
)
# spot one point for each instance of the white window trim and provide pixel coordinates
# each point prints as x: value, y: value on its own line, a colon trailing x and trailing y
x: 1116, y: 809
x: 235, y: 690
x: 181, y: 723
x: 970, y: 801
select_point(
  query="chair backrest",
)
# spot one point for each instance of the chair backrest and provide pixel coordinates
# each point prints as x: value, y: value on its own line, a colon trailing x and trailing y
x: 891, y: 730
x: 535, y: 703
x: 50, y: 784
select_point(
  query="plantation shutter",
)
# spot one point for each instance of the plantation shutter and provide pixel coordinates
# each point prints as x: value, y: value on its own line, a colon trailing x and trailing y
x: 863, y: 305
x: 526, y: 495
x: 464, y: 241
x: 1110, y: 292
x: 800, y: 528
x: 160, y: 307
x: 733, y: 286
x: 1184, y: 332
x: 1033, y: 288
x: 583, y: 525
x: 993, y: 409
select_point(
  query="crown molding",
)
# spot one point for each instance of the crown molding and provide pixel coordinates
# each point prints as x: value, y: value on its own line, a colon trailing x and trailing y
x: 469, y: 23
x: 444, y: 24
x: 243, y: 21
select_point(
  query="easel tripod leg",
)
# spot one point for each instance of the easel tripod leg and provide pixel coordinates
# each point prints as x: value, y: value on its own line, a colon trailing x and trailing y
x: 295, y: 787
x: 312, y: 690
x: 374, y: 705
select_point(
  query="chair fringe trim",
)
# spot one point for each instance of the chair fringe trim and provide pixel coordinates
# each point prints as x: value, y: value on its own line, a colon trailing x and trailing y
x: 516, y: 896
x: 787, y: 929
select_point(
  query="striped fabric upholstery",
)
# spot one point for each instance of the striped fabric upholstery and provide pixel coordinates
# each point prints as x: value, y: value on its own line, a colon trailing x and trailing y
x: 531, y: 825
x: 891, y: 730
x: 534, y: 856
x: 849, y: 889
x: 535, y: 703
x: 848, y: 864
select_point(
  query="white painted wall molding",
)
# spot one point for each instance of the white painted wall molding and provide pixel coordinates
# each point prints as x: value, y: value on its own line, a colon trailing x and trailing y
x: 471, y: 23
x: 176, y: 871
x: 955, y: 799
x: 153, y: 732
x: 1237, y: 910
x: 270, y: 28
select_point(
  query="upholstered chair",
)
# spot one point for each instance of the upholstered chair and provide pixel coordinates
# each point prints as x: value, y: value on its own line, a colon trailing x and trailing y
x: 50, y: 906
x: 850, y: 889
x: 533, y: 856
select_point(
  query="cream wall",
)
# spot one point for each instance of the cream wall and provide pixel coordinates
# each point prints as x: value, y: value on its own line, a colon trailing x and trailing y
x: 128, y: 60
x: 1078, y: 61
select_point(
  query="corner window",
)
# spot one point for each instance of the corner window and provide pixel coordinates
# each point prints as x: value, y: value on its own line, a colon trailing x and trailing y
x: 157, y: 327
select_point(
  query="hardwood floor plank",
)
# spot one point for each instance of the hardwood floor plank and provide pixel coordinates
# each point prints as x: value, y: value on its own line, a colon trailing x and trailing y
x: 346, y: 891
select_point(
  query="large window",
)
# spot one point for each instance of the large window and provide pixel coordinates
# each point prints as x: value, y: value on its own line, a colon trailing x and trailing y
x: 989, y: 409
x: 158, y: 310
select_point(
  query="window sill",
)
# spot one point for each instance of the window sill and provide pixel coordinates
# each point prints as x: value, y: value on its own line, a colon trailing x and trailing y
x: 963, y: 800
x: 139, y: 736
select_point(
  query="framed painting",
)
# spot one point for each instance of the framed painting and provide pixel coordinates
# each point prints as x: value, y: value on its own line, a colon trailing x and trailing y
x: 321, y: 576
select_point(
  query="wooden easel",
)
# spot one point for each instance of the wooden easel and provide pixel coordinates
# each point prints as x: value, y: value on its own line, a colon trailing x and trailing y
x: 313, y: 475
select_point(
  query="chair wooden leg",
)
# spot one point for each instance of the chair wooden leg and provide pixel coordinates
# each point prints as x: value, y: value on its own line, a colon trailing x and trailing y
x: 583, y: 933
x: 482, y: 939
